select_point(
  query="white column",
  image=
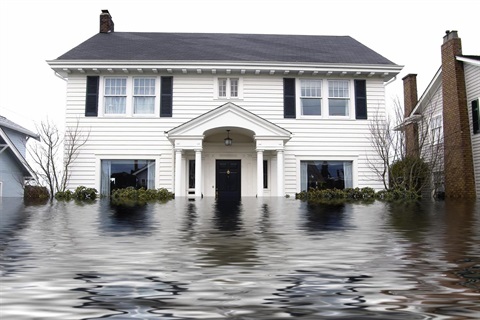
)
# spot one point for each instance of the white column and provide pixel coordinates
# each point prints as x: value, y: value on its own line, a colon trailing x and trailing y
x: 178, y: 173
x: 280, y: 174
x: 259, y: 173
x: 198, y: 173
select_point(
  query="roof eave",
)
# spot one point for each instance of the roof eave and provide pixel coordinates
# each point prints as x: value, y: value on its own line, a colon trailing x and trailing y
x: 409, y: 120
x: 66, y: 67
x: 21, y: 130
x: 428, y: 93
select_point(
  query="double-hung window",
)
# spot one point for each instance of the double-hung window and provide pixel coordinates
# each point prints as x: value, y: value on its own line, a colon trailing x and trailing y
x: 143, y: 95
x: 436, y: 129
x: 130, y: 96
x: 311, y: 97
x: 338, y: 97
x: 222, y: 87
x: 324, y: 98
x: 228, y: 88
x: 115, y: 95
x: 233, y: 88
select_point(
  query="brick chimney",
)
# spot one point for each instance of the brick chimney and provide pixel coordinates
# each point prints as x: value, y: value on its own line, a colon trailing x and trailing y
x: 458, y: 160
x: 410, y: 100
x: 106, y: 22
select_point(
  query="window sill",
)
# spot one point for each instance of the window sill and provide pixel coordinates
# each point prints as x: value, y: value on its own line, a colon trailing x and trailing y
x: 227, y: 99
x: 302, y: 117
x: 129, y: 116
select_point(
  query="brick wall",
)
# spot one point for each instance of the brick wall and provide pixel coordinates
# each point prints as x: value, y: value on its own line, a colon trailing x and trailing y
x: 106, y: 22
x: 458, y: 162
x: 410, y: 100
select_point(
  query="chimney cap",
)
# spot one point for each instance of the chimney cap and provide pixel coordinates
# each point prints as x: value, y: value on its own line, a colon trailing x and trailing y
x: 105, y: 11
x: 450, y: 34
x: 410, y: 75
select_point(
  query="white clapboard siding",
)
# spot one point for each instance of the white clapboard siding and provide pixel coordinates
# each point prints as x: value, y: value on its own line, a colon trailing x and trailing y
x: 433, y: 108
x: 193, y: 95
x: 472, y: 80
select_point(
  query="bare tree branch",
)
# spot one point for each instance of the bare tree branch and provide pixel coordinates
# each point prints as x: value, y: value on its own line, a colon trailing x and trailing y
x: 53, y: 165
x: 387, y: 137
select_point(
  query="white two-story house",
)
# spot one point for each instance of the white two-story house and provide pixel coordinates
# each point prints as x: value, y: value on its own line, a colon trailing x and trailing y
x: 226, y: 115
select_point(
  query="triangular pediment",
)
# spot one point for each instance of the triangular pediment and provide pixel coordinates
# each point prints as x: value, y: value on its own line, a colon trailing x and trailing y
x: 233, y: 116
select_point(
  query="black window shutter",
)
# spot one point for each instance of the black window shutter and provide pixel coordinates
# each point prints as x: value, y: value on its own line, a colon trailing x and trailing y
x: 166, y: 96
x: 475, y: 116
x: 361, y: 99
x: 91, y: 99
x: 289, y: 98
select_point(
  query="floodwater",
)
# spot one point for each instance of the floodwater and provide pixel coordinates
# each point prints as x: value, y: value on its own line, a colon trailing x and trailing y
x: 258, y: 259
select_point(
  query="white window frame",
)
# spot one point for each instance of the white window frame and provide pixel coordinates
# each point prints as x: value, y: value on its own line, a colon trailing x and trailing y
x: 105, y: 96
x: 436, y: 129
x: 154, y: 95
x: 348, y: 99
x: 351, y: 158
x: 311, y: 97
x: 116, y: 156
x: 228, y: 93
x: 129, y: 109
x: 325, y: 100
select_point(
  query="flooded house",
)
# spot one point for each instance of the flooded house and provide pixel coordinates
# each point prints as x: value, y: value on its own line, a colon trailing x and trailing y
x: 223, y: 115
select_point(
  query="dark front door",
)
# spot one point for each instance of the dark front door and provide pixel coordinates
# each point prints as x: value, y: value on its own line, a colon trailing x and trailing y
x: 228, y: 179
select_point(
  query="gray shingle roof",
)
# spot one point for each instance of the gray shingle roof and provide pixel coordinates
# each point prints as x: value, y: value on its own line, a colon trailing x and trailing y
x: 224, y: 47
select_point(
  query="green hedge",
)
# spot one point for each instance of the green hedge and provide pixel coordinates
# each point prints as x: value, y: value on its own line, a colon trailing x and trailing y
x: 353, y: 194
x: 35, y: 193
x: 130, y: 193
x: 81, y: 193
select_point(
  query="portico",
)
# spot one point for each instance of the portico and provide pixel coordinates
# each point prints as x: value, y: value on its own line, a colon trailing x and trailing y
x: 258, y: 149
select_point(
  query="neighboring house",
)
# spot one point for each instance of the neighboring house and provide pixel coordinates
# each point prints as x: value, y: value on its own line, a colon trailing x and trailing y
x: 224, y: 115
x: 446, y: 120
x: 14, y: 169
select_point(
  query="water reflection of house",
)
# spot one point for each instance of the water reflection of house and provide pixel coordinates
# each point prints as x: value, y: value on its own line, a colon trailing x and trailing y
x: 137, y: 178
x: 327, y: 175
x: 127, y: 173
x: 446, y: 231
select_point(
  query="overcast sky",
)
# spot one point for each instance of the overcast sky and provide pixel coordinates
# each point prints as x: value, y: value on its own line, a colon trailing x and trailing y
x: 407, y: 32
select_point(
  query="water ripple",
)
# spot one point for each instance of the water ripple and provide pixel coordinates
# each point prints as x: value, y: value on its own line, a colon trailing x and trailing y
x: 255, y: 259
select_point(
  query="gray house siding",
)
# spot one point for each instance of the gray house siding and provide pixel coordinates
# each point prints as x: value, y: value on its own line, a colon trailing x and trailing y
x: 472, y: 82
x: 11, y: 175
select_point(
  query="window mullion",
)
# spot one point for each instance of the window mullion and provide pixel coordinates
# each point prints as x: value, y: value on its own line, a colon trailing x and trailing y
x: 157, y: 95
x: 129, y: 98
